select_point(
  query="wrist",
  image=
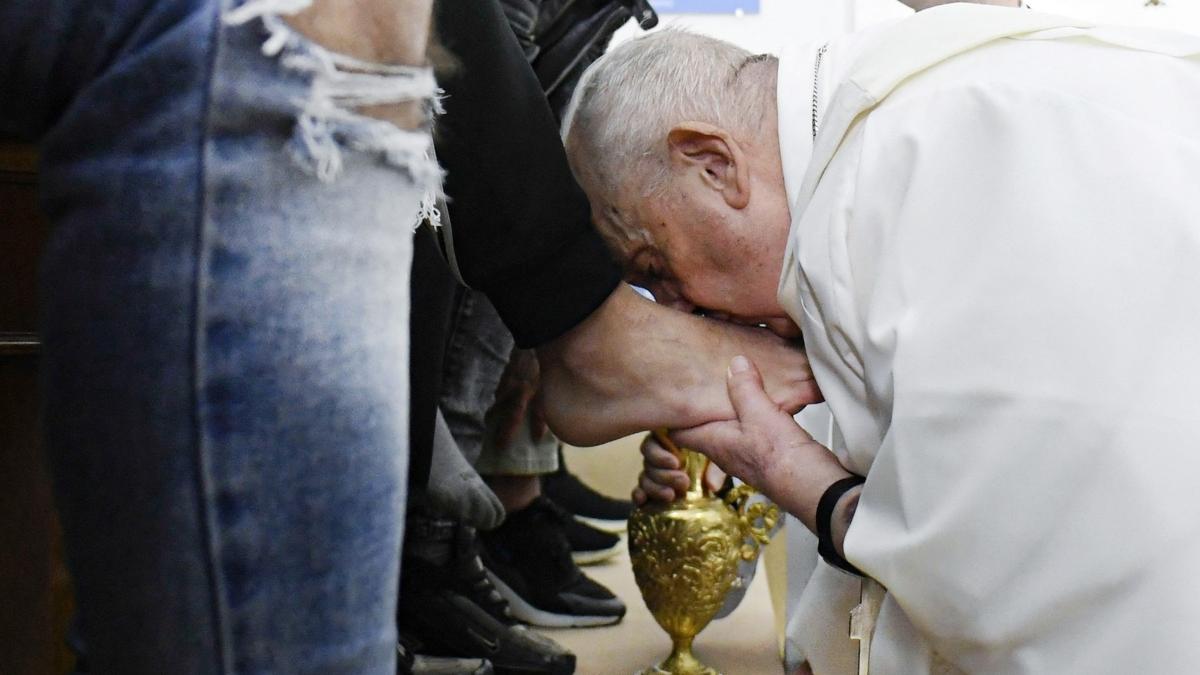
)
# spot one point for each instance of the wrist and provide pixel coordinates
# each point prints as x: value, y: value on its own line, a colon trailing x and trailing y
x: 835, y: 511
x: 796, y: 479
x: 821, y: 474
x: 843, y: 515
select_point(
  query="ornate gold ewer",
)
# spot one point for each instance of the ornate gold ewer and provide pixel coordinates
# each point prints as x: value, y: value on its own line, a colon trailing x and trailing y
x: 685, y: 557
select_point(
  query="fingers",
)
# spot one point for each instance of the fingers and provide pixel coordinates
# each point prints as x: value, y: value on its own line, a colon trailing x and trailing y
x: 662, y: 478
x: 750, y: 400
x: 787, y: 373
x: 638, y: 496
x: 714, y: 439
x: 655, y: 455
x: 672, y: 478
x: 661, y: 490
x: 755, y: 410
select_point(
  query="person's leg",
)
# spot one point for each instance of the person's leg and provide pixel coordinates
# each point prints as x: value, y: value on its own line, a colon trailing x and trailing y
x: 455, y: 490
x: 226, y: 348
x: 433, y: 288
x: 516, y: 452
x: 587, y: 504
x: 461, y: 352
x: 477, y: 351
x: 447, y: 603
x: 530, y: 556
x: 515, y: 491
x: 513, y: 471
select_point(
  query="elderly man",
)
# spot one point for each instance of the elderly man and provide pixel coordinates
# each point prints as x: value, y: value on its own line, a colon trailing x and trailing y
x: 982, y: 222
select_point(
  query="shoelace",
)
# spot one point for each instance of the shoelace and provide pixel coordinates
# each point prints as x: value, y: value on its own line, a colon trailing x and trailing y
x: 475, y: 579
x: 484, y: 593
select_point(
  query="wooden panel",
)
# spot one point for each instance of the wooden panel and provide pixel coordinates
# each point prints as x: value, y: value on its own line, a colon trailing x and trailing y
x: 23, y: 233
x: 35, y: 593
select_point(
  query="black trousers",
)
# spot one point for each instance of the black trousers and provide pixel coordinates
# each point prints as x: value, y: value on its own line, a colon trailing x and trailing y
x: 433, y: 288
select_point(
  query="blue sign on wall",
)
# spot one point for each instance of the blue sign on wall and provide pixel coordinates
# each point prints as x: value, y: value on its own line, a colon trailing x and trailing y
x: 705, y: 6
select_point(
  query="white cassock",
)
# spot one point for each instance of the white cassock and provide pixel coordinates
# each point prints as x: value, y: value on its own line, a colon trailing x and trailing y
x: 995, y: 260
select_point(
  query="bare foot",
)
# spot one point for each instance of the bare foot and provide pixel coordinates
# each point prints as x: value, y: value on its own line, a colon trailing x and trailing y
x: 634, y: 365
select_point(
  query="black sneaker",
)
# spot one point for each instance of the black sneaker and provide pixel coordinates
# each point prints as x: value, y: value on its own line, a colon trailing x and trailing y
x: 590, y: 545
x: 451, y: 609
x: 529, y: 560
x: 599, y: 511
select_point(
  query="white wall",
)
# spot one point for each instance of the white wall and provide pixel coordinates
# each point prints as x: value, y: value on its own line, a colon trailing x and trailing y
x: 778, y: 22
x: 782, y: 21
x: 1183, y: 15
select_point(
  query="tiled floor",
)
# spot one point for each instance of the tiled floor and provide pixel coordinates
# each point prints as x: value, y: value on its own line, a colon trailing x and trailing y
x: 742, y: 644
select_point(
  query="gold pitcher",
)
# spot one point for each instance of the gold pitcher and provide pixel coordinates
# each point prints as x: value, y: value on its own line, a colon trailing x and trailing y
x: 685, y: 556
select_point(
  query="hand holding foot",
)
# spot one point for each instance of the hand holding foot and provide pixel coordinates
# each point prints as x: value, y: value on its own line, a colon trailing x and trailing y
x: 765, y: 447
x: 635, y: 365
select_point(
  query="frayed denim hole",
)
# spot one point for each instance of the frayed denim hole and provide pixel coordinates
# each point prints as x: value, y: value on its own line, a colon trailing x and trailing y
x: 327, y: 121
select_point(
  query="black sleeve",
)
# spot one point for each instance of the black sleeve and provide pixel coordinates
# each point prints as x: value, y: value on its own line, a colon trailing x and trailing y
x: 521, y: 225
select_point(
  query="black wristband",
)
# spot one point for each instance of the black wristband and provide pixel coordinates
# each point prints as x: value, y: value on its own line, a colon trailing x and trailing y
x: 825, y: 527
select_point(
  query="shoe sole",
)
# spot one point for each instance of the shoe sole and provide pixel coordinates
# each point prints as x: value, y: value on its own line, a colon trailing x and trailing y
x: 533, y: 616
x: 484, y: 668
x: 594, y: 557
x: 610, y: 526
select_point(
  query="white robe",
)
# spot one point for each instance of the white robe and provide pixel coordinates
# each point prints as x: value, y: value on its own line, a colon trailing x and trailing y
x: 995, y: 260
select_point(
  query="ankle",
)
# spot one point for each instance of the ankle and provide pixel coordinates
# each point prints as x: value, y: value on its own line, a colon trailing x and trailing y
x: 515, y: 492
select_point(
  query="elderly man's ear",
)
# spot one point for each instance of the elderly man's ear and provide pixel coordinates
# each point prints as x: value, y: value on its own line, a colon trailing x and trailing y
x: 707, y: 153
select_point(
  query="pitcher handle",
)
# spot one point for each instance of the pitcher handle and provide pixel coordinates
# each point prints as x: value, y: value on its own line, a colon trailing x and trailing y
x: 757, y: 519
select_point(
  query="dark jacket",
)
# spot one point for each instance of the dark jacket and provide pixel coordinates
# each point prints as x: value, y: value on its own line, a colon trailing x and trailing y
x: 520, y: 227
x: 561, y: 38
x: 517, y: 224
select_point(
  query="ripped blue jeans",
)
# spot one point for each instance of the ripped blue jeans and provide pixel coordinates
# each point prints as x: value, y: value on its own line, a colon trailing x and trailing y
x: 225, y: 327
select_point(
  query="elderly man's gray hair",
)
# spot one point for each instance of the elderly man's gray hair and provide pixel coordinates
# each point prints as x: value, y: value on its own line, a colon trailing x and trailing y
x: 616, y: 125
